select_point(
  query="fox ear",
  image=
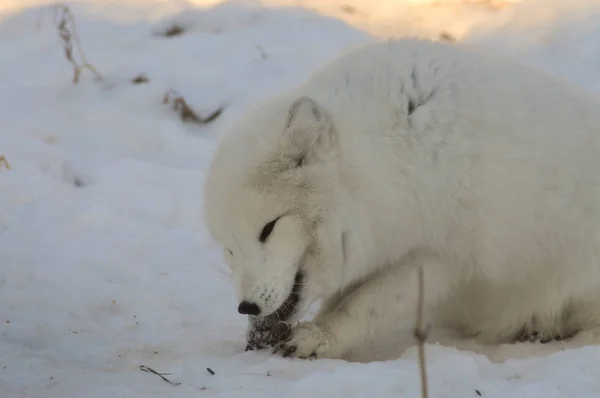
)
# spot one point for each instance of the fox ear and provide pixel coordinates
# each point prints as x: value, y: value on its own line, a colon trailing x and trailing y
x: 308, y: 131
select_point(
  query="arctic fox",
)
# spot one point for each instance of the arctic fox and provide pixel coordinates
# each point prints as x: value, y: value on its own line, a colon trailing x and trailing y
x: 411, y: 154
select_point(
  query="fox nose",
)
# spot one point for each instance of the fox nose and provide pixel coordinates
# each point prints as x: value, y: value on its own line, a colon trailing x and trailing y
x: 248, y: 308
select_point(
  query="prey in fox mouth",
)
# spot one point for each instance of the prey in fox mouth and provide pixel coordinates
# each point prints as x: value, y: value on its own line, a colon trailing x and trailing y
x: 268, y: 331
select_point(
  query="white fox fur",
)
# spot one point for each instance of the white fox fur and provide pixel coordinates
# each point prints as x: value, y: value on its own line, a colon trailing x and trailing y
x: 406, y: 154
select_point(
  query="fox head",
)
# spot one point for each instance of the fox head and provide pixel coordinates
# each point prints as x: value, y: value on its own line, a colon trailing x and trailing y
x: 270, y: 201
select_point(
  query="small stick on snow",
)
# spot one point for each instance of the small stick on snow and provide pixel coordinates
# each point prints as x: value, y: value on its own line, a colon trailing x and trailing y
x: 4, y: 162
x: 421, y: 333
x: 212, y: 372
x: 144, y: 368
x: 139, y: 79
x: 185, y: 112
x: 68, y: 36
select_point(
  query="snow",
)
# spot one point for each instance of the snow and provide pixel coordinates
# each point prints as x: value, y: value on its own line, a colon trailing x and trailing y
x: 105, y: 262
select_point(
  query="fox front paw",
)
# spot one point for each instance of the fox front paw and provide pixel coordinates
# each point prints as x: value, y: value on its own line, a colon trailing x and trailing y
x: 310, y: 341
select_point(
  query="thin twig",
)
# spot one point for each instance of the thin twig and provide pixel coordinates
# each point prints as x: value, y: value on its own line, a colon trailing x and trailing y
x: 140, y: 79
x: 144, y: 368
x: 67, y: 31
x: 421, y: 333
x: 4, y: 162
x: 185, y: 111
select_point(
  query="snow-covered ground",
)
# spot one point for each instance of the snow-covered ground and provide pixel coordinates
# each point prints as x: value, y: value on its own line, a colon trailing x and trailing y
x: 105, y: 262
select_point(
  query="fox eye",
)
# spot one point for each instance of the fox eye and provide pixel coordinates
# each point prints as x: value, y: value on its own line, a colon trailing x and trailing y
x: 266, y: 231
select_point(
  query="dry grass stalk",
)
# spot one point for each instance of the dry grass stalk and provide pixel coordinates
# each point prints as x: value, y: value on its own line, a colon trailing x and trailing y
x: 185, y: 112
x: 421, y: 333
x: 139, y: 79
x: 4, y: 162
x: 145, y: 368
x: 67, y: 31
x: 173, y: 30
x: 445, y: 36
